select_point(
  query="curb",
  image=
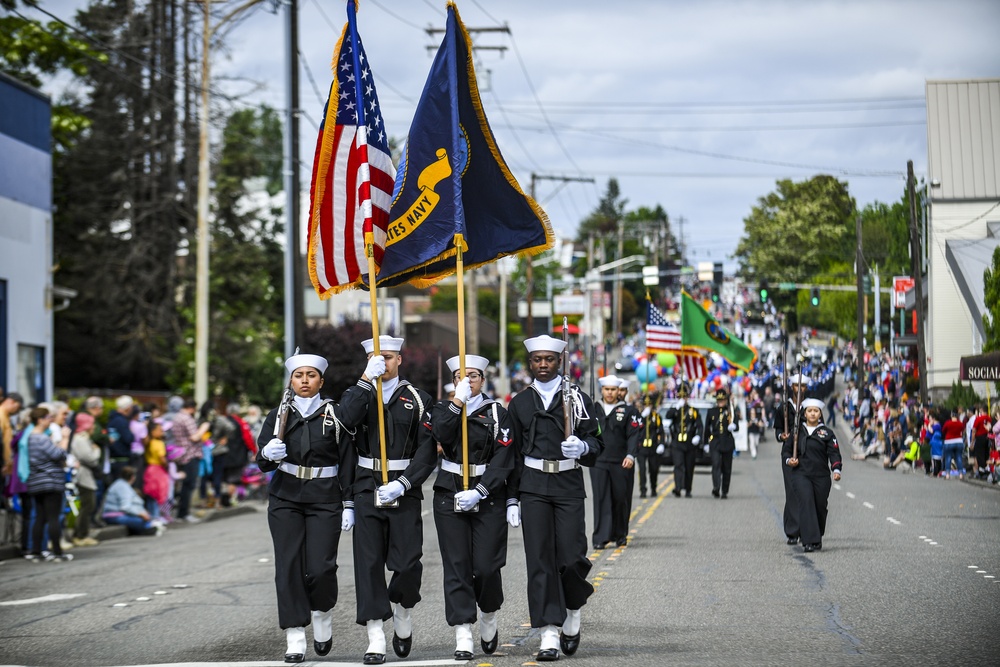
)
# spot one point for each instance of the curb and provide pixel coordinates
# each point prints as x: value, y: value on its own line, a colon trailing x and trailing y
x: 13, y: 551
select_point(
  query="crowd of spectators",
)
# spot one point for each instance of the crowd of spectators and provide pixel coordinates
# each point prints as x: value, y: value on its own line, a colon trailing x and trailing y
x: 66, y: 471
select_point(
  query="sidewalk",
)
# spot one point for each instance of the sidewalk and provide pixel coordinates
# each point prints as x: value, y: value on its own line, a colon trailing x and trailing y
x: 11, y: 551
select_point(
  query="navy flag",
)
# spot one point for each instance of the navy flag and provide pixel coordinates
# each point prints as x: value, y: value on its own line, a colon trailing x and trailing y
x: 452, y: 180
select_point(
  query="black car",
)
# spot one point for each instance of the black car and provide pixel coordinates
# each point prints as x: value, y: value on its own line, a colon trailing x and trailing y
x: 701, y: 405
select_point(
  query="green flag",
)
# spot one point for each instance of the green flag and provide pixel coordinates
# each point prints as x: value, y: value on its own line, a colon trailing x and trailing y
x: 701, y: 330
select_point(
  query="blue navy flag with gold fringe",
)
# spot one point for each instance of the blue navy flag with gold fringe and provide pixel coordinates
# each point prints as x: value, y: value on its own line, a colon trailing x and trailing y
x: 452, y: 180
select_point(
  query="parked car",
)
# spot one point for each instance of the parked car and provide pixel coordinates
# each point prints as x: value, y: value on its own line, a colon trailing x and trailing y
x: 701, y: 405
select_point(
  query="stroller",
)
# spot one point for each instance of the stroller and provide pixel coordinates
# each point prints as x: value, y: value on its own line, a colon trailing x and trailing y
x: 253, y: 483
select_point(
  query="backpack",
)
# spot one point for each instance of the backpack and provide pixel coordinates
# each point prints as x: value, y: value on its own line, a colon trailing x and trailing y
x: 244, y: 430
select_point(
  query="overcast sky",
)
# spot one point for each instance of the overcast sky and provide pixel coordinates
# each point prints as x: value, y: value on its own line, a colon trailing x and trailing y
x: 695, y: 106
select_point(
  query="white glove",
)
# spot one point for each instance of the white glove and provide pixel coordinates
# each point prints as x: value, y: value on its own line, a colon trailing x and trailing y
x: 390, y: 491
x: 732, y: 427
x: 645, y: 412
x: 347, y: 522
x: 467, y: 499
x: 375, y: 367
x: 275, y: 450
x: 705, y: 448
x: 463, y: 391
x: 573, y: 447
x: 660, y: 449
x: 514, y: 515
x: 696, y: 440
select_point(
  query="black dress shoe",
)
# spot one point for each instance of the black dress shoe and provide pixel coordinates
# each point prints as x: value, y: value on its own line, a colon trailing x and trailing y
x: 642, y: 494
x: 569, y: 643
x: 792, y: 540
x: 818, y: 546
x: 294, y: 657
x: 715, y: 492
x: 600, y: 545
x: 374, y: 659
x: 490, y: 646
x: 725, y: 495
x: 652, y: 493
x: 620, y: 543
x: 676, y: 492
x: 322, y: 648
x: 808, y: 548
x: 547, y: 655
x: 402, y: 646
x: 687, y: 494
x: 463, y: 655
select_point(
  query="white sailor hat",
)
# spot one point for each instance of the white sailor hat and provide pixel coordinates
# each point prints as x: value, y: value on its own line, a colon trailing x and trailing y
x: 385, y: 344
x: 311, y: 360
x: 449, y: 388
x: 798, y: 379
x: 623, y: 383
x: 544, y: 342
x: 471, y: 361
x: 608, y: 381
x: 813, y: 403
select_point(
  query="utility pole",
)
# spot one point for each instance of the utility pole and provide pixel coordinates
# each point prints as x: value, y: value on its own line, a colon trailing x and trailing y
x: 917, y: 271
x: 293, y: 259
x: 529, y: 329
x: 877, y: 338
x: 618, y: 282
x: 860, y: 346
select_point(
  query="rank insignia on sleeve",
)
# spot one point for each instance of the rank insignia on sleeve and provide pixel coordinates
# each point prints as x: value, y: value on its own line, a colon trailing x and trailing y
x: 505, y: 438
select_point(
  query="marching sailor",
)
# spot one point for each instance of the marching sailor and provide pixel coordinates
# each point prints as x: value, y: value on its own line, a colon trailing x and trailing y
x: 472, y: 523
x: 721, y: 423
x: 552, y: 495
x: 797, y: 385
x: 388, y: 530
x: 652, y: 445
x: 818, y: 453
x: 621, y: 432
x: 314, y: 464
x: 685, y: 438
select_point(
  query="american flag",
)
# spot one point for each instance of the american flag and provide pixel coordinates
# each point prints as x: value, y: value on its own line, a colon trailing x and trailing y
x: 661, y: 336
x: 353, y: 175
x: 694, y: 366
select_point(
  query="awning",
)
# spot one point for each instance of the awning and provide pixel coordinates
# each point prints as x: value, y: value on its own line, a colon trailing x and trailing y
x: 967, y: 261
x: 980, y: 367
x: 570, y: 328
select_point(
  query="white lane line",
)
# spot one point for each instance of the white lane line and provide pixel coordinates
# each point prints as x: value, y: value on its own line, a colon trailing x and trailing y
x: 850, y: 495
x: 868, y: 505
x: 55, y: 597
x: 932, y: 543
x: 837, y: 486
x: 971, y: 567
x: 977, y: 571
x: 988, y: 576
x: 893, y: 521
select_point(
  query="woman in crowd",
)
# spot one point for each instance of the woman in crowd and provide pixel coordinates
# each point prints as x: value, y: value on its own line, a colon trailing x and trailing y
x: 818, y: 453
x: 88, y: 453
x: 472, y: 519
x: 46, y: 483
x: 123, y: 506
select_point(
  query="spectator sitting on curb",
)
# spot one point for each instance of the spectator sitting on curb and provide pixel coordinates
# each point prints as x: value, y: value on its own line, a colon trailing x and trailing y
x: 124, y: 507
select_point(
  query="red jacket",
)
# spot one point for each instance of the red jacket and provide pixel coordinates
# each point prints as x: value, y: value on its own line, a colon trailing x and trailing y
x: 981, y: 426
x: 952, y: 430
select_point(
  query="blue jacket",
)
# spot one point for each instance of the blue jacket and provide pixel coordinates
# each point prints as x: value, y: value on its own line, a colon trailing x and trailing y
x: 123, y: 499
x: 937, y: 442
x: 120, y: 435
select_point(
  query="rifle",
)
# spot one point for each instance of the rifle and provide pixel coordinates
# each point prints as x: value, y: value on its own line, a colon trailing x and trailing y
x: 567, y: 393
x: 798, y: 422
x: 784, y: 369
x: 283, y: 408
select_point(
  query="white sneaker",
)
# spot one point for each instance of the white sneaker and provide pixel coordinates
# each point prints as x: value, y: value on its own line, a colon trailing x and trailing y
x: 191, y: 518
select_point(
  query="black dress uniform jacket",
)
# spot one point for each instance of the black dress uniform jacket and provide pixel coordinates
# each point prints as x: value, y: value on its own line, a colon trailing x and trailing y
x: 721, y: 444
x: 552, y: 505
x: 304, y: 514
x: 819, y: 454
x: 790, y: 515
x: 649, y: 461
x: 474, y: 544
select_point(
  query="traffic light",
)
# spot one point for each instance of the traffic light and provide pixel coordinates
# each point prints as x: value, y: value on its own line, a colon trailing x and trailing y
x: 814, y: 296
x: 715, y: 293
x: 763, y: 291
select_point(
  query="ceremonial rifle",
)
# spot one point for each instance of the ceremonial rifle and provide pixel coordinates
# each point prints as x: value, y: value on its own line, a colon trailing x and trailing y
x: 567, y: 392
x: 788, y: 378
x: 281, y: 418
x: 798, y: 420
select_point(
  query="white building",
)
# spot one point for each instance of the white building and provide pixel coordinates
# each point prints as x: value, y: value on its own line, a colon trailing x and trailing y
x: 962, y: 202
x: 26, y: 291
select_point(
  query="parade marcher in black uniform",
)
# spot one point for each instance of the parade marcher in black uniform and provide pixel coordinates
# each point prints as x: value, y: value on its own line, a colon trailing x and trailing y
x: 721, y: 423
x: 796, y: 393
x: 818, y: 454
x: 472, y: 523
x: 685, y: 438
x: 651, y: 446
x: 313, y: 467
x: 552, y: 496
x: 621, y: 432
x: 387, y: 537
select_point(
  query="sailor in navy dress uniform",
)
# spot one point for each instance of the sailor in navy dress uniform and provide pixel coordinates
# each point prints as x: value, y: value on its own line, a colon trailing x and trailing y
x: 797, y: 385
x: 720, y: 424
x: 685, y: 438
x: 621, y: 433
x: 552, y: 497
x: 313, y: 467
x: 390, y: 537
x: 818, y: 455
x: 472, y: 523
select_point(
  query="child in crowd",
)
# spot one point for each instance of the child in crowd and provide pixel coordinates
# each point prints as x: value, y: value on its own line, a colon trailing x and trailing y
x: 157, y: 485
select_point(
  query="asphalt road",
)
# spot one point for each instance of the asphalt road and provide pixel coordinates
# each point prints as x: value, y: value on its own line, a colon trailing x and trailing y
x: 905, y: 577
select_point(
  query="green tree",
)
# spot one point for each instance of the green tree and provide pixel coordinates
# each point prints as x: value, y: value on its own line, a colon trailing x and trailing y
x: 604, y: 219
x: 991, y: 295
x: 797, y: 231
